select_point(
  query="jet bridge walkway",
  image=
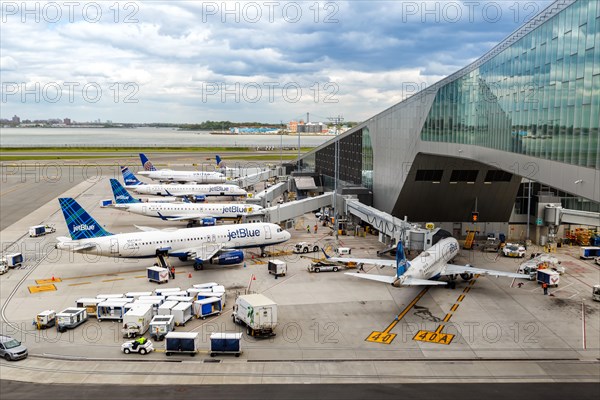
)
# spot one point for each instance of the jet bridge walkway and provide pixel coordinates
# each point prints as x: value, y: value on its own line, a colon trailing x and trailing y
x: 383, y: 222
x: 253, y: 179
x: 287, y: 211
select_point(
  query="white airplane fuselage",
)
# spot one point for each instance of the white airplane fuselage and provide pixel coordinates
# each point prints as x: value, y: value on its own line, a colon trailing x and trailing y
x: 179, y: 242
x: 430, y: 263
x: 176, y: 210
x: 189, y: 190
x: 184, y: 176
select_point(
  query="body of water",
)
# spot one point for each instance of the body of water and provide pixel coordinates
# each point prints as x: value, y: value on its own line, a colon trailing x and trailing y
x: 144, y: 137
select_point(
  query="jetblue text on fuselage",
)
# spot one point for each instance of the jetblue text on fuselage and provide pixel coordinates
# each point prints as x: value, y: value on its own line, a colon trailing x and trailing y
x: 233, y: 209
x: 219, y: 189
x: 243, y: 233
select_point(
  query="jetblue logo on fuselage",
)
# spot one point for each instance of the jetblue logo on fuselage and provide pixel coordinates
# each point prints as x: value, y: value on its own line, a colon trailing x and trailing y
x: 243, y: 233
x: 84, y: 227
x: 233, y: 209
x: 219, y: 189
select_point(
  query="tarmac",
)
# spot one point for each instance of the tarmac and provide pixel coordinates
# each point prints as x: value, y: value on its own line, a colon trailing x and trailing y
x: 332, y: 327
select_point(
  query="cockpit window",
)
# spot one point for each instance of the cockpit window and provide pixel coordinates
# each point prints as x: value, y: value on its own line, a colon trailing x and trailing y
x: 279, y: 229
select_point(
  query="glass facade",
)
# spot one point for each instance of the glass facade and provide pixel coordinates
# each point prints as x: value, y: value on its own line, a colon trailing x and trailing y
x: 539, y: 97
x: 367, y: 159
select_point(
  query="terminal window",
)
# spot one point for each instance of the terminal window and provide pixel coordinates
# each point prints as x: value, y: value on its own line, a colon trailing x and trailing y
x: 464, y: 175
x: 429, y: 175
x: 497, y: 175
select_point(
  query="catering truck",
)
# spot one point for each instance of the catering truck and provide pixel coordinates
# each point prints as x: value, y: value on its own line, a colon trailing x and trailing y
x: 257, y: 312
x: 40, y: 230
x: 136, y: 321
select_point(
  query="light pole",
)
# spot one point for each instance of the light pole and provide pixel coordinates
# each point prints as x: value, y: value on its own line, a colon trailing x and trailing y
x: 336, y: 173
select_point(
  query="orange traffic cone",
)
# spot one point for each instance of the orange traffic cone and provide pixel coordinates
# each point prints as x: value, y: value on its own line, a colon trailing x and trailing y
x: 53, y: 278
x: 190, y: 275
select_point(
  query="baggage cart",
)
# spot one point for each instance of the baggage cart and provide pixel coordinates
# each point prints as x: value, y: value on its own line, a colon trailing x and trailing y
x: 182, y: 313
x: 208, y: 306
x: 161, y: 325
x: 225, y: 343
x: 70, y: 318
x: 182, y: 343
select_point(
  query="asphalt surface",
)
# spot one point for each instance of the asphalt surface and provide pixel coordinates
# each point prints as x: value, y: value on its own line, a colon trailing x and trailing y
x: 475, y: 391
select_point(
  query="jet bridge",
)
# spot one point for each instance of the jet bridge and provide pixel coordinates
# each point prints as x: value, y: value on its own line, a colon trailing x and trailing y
x: 393, y: 229
x: 556, y: 215
x: 266, y: 197
x: 253, y: 179
x: 293, y: 209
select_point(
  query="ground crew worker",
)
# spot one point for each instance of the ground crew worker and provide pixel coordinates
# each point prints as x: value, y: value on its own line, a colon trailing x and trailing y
x: 545, y: 287
x: 316, y: 228
x: 172, y: 272
x: 307, y: 228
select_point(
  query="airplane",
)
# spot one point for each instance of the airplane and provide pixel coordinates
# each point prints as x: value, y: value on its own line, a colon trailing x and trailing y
x: 204, y: 214
x: 198, y: 192
x: 427, y: 268
x: 167, y: 175
x: 215, y: 244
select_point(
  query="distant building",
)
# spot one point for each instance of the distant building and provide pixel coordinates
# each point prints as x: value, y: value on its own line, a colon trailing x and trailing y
x: 16, y: 120
x: 67, y: 121
x: 312, y: 127
x: 293, y: 126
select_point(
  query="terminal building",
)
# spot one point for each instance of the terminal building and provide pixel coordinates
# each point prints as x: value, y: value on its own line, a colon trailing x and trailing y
x: 514, y: 129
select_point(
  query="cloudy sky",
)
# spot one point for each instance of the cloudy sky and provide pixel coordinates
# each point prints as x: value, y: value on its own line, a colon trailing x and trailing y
x: 268, y: 61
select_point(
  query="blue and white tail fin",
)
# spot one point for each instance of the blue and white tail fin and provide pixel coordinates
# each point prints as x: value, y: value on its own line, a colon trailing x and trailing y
x: 148, y: 166
x: 219, y: 161
x: 129, y: 178
x: 121, y: 195
x: 80, y: 224
x: 401, y: 264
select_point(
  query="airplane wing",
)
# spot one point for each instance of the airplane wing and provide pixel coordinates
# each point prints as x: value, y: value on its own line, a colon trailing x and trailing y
x: 390, y: 279
x: 452, y: 269
x: 206, y: 252
x: 186, y: 218
x: 146, y: 228
x: 374, y: 261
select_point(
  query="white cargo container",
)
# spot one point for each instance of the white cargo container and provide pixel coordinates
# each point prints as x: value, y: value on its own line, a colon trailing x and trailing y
x: 153, y: 303
x: 160, y: 299
x: 220, y: 295
x: 157, y: 274
x: 187, y: 299
x: 182, y: 313
x: 277, y: 267
x: 178, y: 293
x: 257, y: 312
x: 205, y: 285
x: 136, y: 295
x: 111, y: 296
x: 90, y: 304
x: 166, y: 307
x: 166, y: 291
x: 70, y: 317
x: 208, y: 306
x: 45, y: 319
x: 12, y: 260
x: 161, y: 325
x: 218, y: 289
x: 112, y: 309
x: 136, y: 321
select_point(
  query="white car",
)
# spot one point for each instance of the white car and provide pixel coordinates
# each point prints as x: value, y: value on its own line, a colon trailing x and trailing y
x: 597, y: 260
x: 133, y: 346
x: 513, y: 250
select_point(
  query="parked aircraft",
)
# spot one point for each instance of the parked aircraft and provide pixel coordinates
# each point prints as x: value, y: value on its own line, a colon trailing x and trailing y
x: 196, y: 191
x: 214, y: 244
x: 427, y: 268
x: 168, y: 175
x: 202, y: 213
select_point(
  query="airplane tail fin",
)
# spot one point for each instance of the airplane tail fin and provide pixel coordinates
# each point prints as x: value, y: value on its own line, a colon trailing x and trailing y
x: 121, y: 195
x: 129, y: 178
x: 80, y: 224
x: 327, y: 256
x: 148, y: 166
x: 219, y: 160
x: 401, y: 263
